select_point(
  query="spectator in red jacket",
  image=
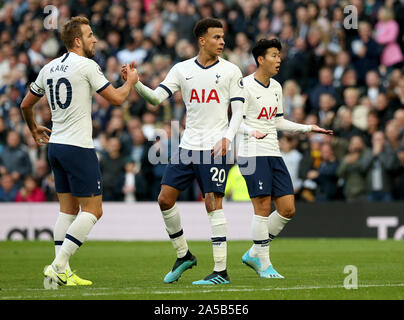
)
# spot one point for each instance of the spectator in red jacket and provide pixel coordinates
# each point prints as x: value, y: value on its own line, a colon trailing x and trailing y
x: 30, y: 192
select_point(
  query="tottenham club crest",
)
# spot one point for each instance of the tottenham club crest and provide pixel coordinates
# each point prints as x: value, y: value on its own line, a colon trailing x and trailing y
x: 217, y: 78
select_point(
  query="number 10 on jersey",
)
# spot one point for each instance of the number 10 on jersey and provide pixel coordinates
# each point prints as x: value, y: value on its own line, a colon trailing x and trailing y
x: 55, y: 94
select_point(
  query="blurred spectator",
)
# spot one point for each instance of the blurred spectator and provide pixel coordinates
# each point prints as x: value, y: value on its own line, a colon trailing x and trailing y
x: 373, y: 124
x: 365, y: 52
x: 245, y: 19
x: 44, y: 177
x: 379, y: 165
x: 14, y: 160
x: 8, y: 191
x: 383, y: 111
x: 15, y: 121
x: 310, y: 162
x: 397, y: 93
x: 398, y: 190
x: 241, y: 55
x: 3, y: 133
x: 386, y: 31
x: 30, y: 192
x: 129, y: 184
x: 339, y: 146
x: 292, y: 158
x: 132, y: 52
x: 392, y: 134
x: 324, y: 86
x: 112, y: 166
x: 373, y: 86
x: 351, y: 170
x: 327, y: 110
x: 343, y: 63
x: 348, y: 80
x: 326, y: 175
x: 187, y: 17
x: 359, y: 112
x: 343, y: 125
x: 36, y: 59
x: 302, y: 22
x: 292, y: 98
x: 324, y: 179
x: 116, y: 128
x: 399, y: 118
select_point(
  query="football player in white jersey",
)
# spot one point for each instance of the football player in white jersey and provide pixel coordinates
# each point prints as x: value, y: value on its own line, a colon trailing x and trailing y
x: 69, y: 83
x: 208, y: 85
x: 259, y: 157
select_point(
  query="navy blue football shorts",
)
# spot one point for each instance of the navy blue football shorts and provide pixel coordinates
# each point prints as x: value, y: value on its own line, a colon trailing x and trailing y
x: 186, y: 165
x: 270, y: 177
x: 76, y: 170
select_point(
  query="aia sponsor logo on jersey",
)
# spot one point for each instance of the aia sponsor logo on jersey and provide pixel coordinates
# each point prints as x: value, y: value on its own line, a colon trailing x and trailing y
x: 204, y: 97
x: 267, y: 113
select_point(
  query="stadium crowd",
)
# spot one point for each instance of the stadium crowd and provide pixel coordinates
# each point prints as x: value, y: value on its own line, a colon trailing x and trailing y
x: 336, y: 73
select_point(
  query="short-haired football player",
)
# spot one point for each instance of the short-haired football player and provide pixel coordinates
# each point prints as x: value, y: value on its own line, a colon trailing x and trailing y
x: 259, y: 157
x: 69, y: 83
x: 208, y: 85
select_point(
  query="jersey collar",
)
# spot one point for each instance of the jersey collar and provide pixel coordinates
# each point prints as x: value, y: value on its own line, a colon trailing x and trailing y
x: 269, y: 83
x: 201, y: 66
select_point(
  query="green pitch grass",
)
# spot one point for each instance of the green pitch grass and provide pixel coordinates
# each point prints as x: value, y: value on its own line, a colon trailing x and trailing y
x: 313, y: 269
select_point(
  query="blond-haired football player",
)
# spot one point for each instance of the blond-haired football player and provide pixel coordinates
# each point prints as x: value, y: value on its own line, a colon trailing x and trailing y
x: 69, y: 83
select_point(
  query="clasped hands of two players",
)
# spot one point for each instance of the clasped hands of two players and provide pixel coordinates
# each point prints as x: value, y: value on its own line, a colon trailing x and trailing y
x: 129, y: 73
x: 314, y: 128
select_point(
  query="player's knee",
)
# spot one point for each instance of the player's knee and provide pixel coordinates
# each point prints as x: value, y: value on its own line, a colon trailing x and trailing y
x: 288, y: 212
x: 70, y: 210
x: 165, y: 202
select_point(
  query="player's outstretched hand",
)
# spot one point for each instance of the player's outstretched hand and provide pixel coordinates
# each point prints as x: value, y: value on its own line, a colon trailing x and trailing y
x: 317, y: 129
x: 220, y: 148
x: 40, y: 136
x: 258, y: 134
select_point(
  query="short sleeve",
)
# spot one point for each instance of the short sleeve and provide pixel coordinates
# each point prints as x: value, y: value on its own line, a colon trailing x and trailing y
x: 37, y: 87
x: 171, y: 83
x: 95, y: 77
x: 236, y: 88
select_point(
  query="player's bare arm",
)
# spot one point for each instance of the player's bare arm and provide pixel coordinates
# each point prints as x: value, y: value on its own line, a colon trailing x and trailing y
x: 222, y: 146
x: 38, y: 132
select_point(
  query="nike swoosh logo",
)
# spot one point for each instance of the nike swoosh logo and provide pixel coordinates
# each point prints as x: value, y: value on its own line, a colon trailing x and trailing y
x: 188, y: 78
x: 219, y: 184
x: 63, y: 281
x: 258, y: 97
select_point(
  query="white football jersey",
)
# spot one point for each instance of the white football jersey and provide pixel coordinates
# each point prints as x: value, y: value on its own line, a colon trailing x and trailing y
x: 207, y: 93
x: 69, y: 83
x: 263, y: 104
